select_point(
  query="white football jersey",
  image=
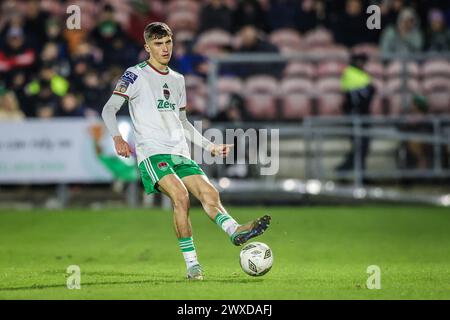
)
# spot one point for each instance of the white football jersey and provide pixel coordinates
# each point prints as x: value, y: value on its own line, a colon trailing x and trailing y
x: 154, y: 100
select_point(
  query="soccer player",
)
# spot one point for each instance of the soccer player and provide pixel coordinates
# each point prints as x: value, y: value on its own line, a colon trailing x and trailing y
x: 157, y: 104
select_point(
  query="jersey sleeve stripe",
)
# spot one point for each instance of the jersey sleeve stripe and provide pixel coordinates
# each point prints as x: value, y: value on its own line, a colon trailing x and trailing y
x: 121, y: 94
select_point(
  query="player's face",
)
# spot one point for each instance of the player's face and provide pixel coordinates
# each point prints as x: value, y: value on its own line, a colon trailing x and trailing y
x: 160, y: 50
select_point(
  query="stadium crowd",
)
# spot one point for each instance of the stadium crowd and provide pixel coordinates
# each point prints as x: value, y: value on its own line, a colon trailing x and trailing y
x: 47, y: 70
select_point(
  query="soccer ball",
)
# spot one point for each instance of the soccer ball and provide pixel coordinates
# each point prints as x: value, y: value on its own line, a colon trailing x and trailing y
x: 256, y: 259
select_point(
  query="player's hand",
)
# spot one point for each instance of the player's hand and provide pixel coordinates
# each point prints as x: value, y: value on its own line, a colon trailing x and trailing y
x: 122, y: 147
x: 221, y: 149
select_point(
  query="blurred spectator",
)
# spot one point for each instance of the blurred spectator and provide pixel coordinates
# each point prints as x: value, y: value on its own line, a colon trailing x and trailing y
x: 116, y: 46
x: 252, y: 42
x: 45, y: 111
x: 191, y: 63
x: 50, y: 55
x: 35, y: 23
x: 350, y: 26
x: 9, y: 106
x: 308, y: 15
x: 249, y: 12
x: 17, y: 83
x: 288, y: 9
x: 405, y: 37
x: 84, y: 58
x: 53, y: 32
x: 234, y: 111
x: 47, y: 87
x: 438, y: 34
x: 390, y: 10
x: 357, y: 86
x: 70, y: 106
x: 94, y: 91
x: 9, y: 19
x: 216, y: 14
x: 16, y: 55
x: 144, y: 13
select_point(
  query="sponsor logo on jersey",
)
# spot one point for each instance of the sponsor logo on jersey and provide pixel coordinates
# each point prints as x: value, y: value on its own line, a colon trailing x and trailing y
x: 163, y: 166
x: 129, y: 76
x: 165, y: 105
x: 166, y: 91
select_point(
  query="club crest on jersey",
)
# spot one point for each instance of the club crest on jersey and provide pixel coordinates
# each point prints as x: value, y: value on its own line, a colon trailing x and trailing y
x: 166, y: 91
x: 122, y: 86
x: 163, y: 166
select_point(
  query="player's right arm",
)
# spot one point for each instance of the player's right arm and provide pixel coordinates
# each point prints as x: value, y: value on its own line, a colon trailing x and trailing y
x: 125, y: 89
x: 109, y: 111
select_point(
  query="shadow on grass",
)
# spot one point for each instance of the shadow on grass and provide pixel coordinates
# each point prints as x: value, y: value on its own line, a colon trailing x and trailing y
x: 149, y: 281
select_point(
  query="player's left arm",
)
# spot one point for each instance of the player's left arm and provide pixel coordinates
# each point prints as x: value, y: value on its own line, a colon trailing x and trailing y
x: 198, y: 139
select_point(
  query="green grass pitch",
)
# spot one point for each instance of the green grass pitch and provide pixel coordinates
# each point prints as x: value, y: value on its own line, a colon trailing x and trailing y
x: 319, y: 253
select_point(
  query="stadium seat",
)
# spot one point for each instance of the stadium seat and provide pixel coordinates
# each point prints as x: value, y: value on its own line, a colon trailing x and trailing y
x: 197, y: 104
x: 432, y: 68
x: 225, y: 87
x: 331, y: 53
x: 183, y: 21
x: 299, y: 69
x: 330, y: 69
x: 330, y: 104
x: 394, y: 92
x: 196, y: 93
x: 396, y: 104
x: 439, y: 102
x: 215, y: 37
x: 375, y: 69
x: 395, y: 69
x: 184, y: 6
x: 295, y: 98
x: 287, y: 40
x: 229, y: 85
x: 436, y: 84
x: 290, y: 85
x: 212, y: 42
x: 379, y: 86
x: 260, y: 92
x: 195, y: 83
x: 376, y: 106
x: 319, y: 37
x: 184, y: 36
x: 330, y: 84
x: 370, y: 49
x: 396, y: 85
x: 329, y: 97
x: 437, y: 91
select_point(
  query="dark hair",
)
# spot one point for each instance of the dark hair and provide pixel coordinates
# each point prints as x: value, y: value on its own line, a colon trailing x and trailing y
x: 156, y: 30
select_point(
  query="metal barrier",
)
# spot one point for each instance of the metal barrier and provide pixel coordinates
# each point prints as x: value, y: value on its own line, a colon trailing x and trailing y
x: 313, y: 131
x: 267, y: 58
x: 316, y: 129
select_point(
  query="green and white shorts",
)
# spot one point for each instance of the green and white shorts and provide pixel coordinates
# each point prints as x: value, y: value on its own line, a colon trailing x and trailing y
x: 155, y: 167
